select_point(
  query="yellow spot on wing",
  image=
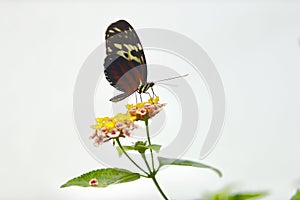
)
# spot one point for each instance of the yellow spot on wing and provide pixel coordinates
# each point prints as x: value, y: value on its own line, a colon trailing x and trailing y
x: 129, y: 47
x: 119, y: 46
x: 117, y: 29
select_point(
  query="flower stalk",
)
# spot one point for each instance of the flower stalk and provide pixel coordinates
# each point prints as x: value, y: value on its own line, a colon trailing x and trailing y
x: 159, y: 188
x: 125, y: 153
x: 149, y: 141
x: 153, y: 172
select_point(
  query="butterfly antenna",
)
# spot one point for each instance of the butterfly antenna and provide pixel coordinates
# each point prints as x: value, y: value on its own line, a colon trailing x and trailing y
x: 172, y: 78
x: 167, y: 84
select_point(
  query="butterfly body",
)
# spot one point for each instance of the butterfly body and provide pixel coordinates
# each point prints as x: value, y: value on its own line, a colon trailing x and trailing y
x: 143, y: 88
x: 125, y: 64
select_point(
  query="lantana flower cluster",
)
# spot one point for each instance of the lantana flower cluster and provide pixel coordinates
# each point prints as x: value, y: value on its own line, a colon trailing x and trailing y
x: 145, y: 109
x: 107, y: 128
x: 122, y: 125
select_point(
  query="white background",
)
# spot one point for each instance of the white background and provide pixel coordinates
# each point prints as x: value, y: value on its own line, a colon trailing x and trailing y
x: 254, y: 45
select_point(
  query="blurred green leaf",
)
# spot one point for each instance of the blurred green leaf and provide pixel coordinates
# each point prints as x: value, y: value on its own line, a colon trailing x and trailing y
x: 246, y: 196
x: 225, y: 194
x: 296, y: 196
x: 172, y: 161
x: 103, y: 178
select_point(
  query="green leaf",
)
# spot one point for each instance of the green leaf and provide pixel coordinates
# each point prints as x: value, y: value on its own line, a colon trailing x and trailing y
x: 142, y: 147
x: 103, y: 178
x: 154, y: 147
x: 296, y: 196
x: 139, y: 146
x: 126, y: 148
x: 172, y: 161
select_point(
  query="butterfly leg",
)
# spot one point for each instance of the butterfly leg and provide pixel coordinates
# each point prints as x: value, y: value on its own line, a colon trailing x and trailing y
x: 150, y: 97
x: 141, y: 97
x: 135, y: 97
x: 154, y: 95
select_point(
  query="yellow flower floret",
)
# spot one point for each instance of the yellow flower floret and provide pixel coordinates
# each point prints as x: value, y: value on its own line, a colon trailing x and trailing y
x: 109, y: 125
x: 153, y: 100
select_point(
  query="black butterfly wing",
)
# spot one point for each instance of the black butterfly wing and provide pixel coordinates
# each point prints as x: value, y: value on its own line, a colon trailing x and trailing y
x: 125, y: 63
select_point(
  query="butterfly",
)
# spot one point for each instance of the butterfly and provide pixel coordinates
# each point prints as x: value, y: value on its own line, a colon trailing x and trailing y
x: 125, y: 65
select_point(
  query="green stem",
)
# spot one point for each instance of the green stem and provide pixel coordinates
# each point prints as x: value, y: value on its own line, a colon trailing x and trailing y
x: 146, y: 162
x: 149, y: 141
x: 158, y: 187
x: 120, y: 145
